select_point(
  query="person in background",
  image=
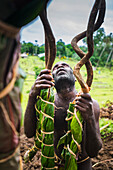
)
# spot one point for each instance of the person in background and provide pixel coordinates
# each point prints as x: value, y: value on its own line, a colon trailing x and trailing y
x: 64, y: 82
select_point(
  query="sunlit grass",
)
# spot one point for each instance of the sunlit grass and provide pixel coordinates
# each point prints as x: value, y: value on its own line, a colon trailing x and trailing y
x: 102, y: 86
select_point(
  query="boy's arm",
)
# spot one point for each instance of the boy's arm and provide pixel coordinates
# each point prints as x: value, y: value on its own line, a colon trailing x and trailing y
x: 90, y: 112
x: 43, y: 81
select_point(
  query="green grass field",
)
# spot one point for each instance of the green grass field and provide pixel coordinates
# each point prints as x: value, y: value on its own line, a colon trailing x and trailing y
x: 101, y: 90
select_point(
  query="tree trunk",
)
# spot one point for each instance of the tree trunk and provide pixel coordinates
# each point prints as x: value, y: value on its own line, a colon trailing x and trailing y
x: 100, y: 56
x: 108, y: 57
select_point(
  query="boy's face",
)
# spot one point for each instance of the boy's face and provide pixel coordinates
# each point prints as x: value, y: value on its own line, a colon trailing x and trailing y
x: 63, y: 73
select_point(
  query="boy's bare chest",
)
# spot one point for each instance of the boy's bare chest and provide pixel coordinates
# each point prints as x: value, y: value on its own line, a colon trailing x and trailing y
x: 60, y: 122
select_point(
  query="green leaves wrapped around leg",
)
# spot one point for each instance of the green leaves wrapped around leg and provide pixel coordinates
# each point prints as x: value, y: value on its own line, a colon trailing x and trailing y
x: 72, y: 138
x: 38, y: 137
x: 75, y: 126
x: 47, y: 129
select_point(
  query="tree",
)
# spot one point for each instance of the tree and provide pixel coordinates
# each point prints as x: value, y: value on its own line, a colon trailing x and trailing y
x: 24, y: 47
x: 61, y: 51
x: 27, y: 47
x: 30, y: 48
x: 69, y: 50
x: 42, y: 49
x: 102, y: 47
x: 36, y: 47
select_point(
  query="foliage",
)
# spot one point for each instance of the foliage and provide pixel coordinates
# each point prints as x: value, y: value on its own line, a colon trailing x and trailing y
x: 61, y: 51
x: 103, y: 49
x: 108, y: 130
x: 76, y: 138
x: 103, y: 45
x: 44, y: 132
x: 37, y: 70
x: 27, y: 47
x: 42, y: 49
x: 42, y: 58
x: 72, y: 139
x: 31, y: 48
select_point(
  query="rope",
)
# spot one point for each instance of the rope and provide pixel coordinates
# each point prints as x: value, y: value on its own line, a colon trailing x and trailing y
x: 79, y: 148
x: 67, y: 119
x: 34, y: 148
x: 47, y: 144
x: 10, y: 156
x: 49, y: 103
x: 43, y: 143
x: 37, y: 109
x: 47, y: 156
x: 71, y: 152
x: 77, y: 118
x: 8, y: 119
x: 38, y: 139
x: 38, y: 133
x: 45, y: 100
x: 10, y: 86
x: 3, y: 93
x: 70, y: 112
x: 47, y: 116
x: 47, y: 132
x: 83, y: 160
x: 57, y: 158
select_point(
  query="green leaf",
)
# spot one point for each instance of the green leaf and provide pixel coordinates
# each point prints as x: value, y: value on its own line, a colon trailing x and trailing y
x: 62, y: 140
x: 72, y: 164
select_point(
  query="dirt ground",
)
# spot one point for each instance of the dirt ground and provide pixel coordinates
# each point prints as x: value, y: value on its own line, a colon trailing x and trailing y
x: 104, y: 160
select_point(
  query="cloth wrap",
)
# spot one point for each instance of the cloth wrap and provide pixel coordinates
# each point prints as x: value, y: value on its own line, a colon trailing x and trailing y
x: 9, y: 97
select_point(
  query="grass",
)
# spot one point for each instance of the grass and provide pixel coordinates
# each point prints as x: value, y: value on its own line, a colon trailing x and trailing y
x: 108, y: 130
x: 102, y: 86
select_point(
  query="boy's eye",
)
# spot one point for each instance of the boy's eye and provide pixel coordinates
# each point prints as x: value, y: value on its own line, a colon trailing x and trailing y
x: 55, y: 67
x: 63, y: 64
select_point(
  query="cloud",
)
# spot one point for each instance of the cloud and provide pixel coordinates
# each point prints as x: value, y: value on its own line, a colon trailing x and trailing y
x: 108, y: 22
x: 67, y: 19
x: 33, y: 32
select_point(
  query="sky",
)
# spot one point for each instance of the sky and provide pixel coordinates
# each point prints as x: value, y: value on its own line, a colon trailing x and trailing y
x: 67, y: 19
